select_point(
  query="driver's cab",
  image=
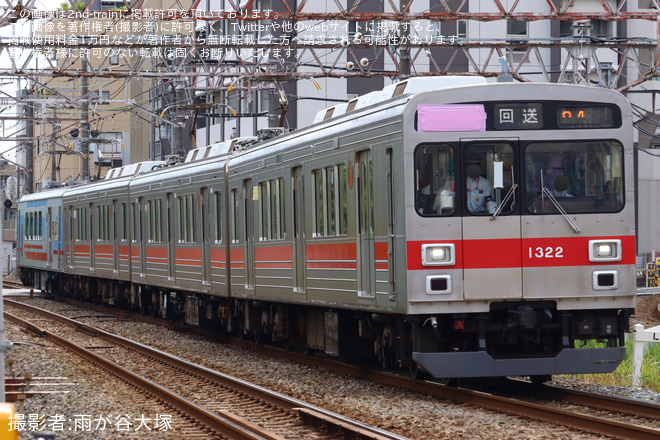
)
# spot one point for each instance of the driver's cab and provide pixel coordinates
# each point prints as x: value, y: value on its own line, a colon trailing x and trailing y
x: 485, y: 176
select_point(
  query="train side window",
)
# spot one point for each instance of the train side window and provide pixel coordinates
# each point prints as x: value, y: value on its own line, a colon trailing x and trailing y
x: 434, y: 180
x: 183, y: 231
x: 151, y: 218
x: 99, y: 220
x: 187, y: 219
x: 343, y: 200
x: 124, y: 223
x: 331, y: 200
x: 136, y: 222
x: 103, y: 222
x: 271, y: 209
x: 318, y: 182
x: 264, y: 211
x: 579, y: 176
x: 191, y: 219
x: 218, y: 216
x: 40, y: 226
x: 330, y: 218
x: 155, y: 220
x: 277, y: 208
x: 81, y: 224
x: 234, y: 216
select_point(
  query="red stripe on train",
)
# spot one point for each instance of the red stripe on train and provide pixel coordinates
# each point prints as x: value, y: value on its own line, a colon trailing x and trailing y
x: 36, y: 256
x: 528, y: 252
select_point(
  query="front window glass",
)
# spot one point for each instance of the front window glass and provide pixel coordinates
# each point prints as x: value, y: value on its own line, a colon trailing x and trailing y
x: 585, y: 176
x: 434, y: 180
x: 489, y: 179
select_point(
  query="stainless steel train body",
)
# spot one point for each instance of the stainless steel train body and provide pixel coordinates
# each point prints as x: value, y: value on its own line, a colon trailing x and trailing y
x: 472, y: 230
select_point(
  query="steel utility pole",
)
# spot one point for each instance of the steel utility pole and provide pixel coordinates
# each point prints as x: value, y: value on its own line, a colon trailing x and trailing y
x: 404, y: 41
x: 84, y: 132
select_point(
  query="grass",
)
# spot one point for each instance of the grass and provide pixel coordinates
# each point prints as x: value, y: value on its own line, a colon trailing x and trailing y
x: 622, y: 376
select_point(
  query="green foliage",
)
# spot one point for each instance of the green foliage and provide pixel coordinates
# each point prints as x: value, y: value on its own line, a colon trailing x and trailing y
x: 622, y: 376
x: 590, y: 343
x: 66, y: 6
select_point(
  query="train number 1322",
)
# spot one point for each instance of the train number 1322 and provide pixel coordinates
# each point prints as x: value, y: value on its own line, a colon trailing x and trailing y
x: 546, y: 252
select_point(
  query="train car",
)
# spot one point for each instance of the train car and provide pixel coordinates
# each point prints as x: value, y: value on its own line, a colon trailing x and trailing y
x: 96, y: 233
x: 177, y: 245
x: 518, y: 284
x: 447, y: 225
x: 39, y: 244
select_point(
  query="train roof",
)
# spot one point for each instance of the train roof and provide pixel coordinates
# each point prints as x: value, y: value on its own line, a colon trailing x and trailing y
x: 134, y: 169
x: 181, y: 170
x: 43, y: 195
x: 406, y: 87
x: 218, y: 149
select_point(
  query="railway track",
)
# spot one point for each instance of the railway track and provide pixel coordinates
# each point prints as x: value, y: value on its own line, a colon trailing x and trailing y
x: 223, y: 405
x: 603, y: 415
x: 10, y: 284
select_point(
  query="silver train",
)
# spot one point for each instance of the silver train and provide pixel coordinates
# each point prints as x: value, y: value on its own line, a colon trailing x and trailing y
x: 444, y: 225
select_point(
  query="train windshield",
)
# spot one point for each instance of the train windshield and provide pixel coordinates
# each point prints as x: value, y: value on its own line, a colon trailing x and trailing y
x: 434, y: 179
x: 584, y: 176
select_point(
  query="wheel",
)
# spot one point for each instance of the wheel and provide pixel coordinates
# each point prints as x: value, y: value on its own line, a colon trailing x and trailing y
x: 257, y: 336
x: 381, y: 357
x: 415, y: 371
x: 540, y: 379
x: 448, y: 382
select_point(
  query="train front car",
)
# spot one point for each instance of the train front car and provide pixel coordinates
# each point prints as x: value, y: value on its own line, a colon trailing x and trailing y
x: 519, y: 229
x: 39, y: 243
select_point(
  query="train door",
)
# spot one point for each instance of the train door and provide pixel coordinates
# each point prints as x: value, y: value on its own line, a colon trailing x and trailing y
x: 70, y: 216
x: 248, y: 211
x: 49, y: 237
x: 115, y: 235
x: 365, y: 224
x: 57, y: 238
x: 492, y: 256
x: 391, y: 226
x: 92, y: 240
x: 140, y: 237
x: 171, y: 239
x: 299, y: 259
x: 206, y: 237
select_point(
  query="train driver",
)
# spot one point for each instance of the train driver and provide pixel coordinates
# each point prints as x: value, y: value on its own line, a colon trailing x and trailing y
x: 554, y: 176
x: 479, y: 191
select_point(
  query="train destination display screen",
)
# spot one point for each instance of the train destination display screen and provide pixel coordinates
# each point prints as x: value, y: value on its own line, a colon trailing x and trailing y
x: 518, y: 116
x: 586, y: 117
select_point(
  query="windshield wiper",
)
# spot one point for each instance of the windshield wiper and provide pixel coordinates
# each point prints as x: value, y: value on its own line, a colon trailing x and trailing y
x: 561, y: 210
x: 508, y: 195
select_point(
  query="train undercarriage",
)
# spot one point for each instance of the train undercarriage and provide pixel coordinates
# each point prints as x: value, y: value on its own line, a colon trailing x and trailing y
x: 523, y: 336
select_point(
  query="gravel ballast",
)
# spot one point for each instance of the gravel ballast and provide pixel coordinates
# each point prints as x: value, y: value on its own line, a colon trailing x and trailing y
x: 96, y: 401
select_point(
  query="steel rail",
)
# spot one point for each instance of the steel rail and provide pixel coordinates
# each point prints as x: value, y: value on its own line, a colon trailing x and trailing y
x: 353, y: 428
x: 227, y: 424
x: 601, y: 426
x: 592, y: 400
x: 585, y: 422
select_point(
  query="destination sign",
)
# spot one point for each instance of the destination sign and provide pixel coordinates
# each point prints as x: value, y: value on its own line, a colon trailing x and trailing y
x: 586, y: 117
x: 518, y: 116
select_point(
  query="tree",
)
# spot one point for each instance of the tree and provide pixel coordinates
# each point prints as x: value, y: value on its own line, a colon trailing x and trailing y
x: 65, y: 6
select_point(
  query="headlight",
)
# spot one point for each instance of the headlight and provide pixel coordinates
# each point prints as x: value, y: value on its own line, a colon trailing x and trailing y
x: 604, y: 250
x: 439, y: 254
